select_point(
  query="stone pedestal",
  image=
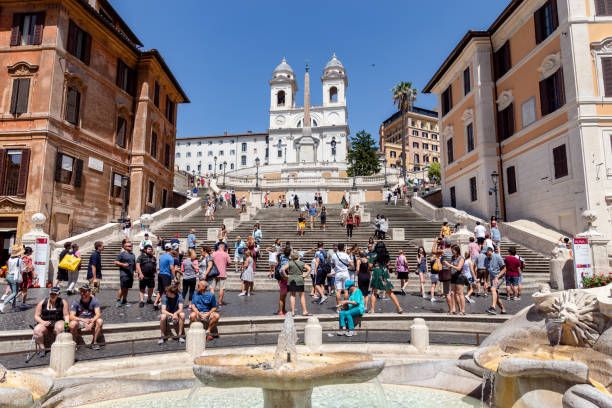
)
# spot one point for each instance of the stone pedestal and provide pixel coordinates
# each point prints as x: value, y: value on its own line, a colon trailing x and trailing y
x: 597, y: 242
x: 462, y: 236
x: 196, y: 339
x: 245, y: 217
x: 562, y: 270
x: 366, y: 217
x: 40, y: 243
x: 354, y: 198
x: 252, y: 211
x: 211, y: 234
x: 230, y: 223
x: 313, y: 334
x: 62, y: 354
x: 287, y: 398
x: 256, y: 199
x: 397, y: 234
x: 419, y: 334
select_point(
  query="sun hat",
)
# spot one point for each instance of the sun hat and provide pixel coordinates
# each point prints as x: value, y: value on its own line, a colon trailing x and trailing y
x: 17, y: 250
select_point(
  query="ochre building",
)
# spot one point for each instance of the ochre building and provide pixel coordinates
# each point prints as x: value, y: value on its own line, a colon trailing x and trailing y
x: 81, y: 106
x: 531, y: 99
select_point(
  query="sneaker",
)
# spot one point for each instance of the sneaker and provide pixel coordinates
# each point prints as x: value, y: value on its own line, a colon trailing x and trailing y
x: 323, y: 300
x: 316, y: 299
x: 181, y: 340
x: 155, y: 307
x: 126, y: 304
x: 149, y: 301
x: 517, y: 298
x: 403, y: 291
x: 469, y: 299
x: 433, y: 300
x: 491, y: 311
x: 160, y: 341
x: 119, y: 304
x: 341, y: 332
x: 425, y: 296
x: 350, y: 333
x: 95, y: 346
x: 3, y: 297
x: 154, y: 295
x: 249, y: 294
x: 141, y: 304
x: 242, y: 294
x: 42, y: 353
x: 510, y: 297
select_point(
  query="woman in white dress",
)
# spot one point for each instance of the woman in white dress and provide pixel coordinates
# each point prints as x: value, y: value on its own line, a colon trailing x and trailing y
x: 247, y: 275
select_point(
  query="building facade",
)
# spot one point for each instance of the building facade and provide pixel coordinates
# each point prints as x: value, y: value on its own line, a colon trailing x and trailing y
x: 531, y: 99
x: 422, y: 139
x: 81, y: 107
x: 287, y: 142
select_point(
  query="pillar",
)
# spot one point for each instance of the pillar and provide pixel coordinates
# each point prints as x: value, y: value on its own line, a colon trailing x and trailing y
x: 196, y: 339
x: 462, y: 236
x: 313, y: 334
x: 41, y: 244
x: 62, y: 354
x: 597, y: 242
x: 419, y: 334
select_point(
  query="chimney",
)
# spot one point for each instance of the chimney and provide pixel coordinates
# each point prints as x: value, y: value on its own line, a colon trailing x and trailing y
x: 249, y: 132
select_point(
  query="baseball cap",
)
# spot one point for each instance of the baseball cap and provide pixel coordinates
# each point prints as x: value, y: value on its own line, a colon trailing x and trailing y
x: 55, y: 290
x: 146, y: 234
x: 175, y: 246
x: 168, y: 246
x: 348, y: 284
x: 84, y: 286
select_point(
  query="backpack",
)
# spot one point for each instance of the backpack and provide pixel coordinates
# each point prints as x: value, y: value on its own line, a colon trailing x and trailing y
x: 324, y: 264
x: 277, y: 272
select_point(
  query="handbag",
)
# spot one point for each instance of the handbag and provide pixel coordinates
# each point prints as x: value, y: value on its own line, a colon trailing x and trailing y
x: 70, y: 262
x: 214, y: 272
x: 437, y: 266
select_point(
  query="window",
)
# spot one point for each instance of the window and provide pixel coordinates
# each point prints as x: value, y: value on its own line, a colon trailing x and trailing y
x: 121, y: 132
x: 279, y: 152
x: 469, y: 132
x: 501, y: 60
x: 415, y: 145
x: 511, y: 179
x: 505, y: 122
x: 413, y: 122
x: 167, y: 156
x: 449, y: 150
x: 27, y: 28
x: 154, y: 145
x: 434, y: 148
x: 79, y: 43
x: 73, y: 102
x: 232, y: 152
x: 210, y: 153
x: 473, y: 191
x: 243, y: 160
x: 178, y: 155
x: 169, y: 109
x: 232, y: 166
x: 220, y: 166
x: 606, y: 67
x: 199, y: 168
x: 552, y: 93
x: 434, y: 136
x: 416, y: 158
x: 199, y: 154
x: 116, y: 186
x: 453, y: 198
x: 603, y: 7
x: 14, y: 167
x: 546, y: 20
x: 209, y: 167
x: 425, y: 146
x: 435, y: 159
x: 210, y: 142
x: 156, y: 94
x: 416, y: 168
x: 528, y: 112
x: 199, y: 143
x: 425, y: 158
x: 63, y: 168
x: 188, y: 168
x: 333, y: 94
x: 393, y: 154
x: 447, y: 100
x: 424, y: 134
x: 280, y: 98
x: 151, y: 191
x: 164, y: 198
x: 188, y: 154
x: 415, y: 133
x: 19, y: 98
x: 243, y: 147
x: 467, y: 81
x: 560, y: 161
x: 221, y: 152
x: 126, y: 77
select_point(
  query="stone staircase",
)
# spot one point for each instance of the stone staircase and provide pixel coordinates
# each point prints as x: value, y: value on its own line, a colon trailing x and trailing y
x: 281, y: 223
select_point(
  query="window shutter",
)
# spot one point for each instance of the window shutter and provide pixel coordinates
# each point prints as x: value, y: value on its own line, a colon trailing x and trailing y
x: 510, y: 120
x: 58, y: 167
x: 2, y: 169
x: 24, y: 170
x: 87, y: 47
x: 22, y: 97
x: 71, y: 106
x: 544, y: 101
x: 511, y: 179
x: 120, y: 73
x: 127, y: 191
x: 70, y: 45
x: 606, y: 67
x: 15, y: 29
x: 507, y: 57
x: 14, y: 96
x: 538, y: 19
x: 78, y: 173
x: 603, y: 7
x: 38, y: 28
x: 554, y: 13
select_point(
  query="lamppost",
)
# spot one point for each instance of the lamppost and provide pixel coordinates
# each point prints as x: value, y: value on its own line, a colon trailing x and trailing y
x: 495, y: 179
x: 354, y: 163
x: 257, y: 173
x: 215, y: 169
x: 193, y: 178
x: 384, y: 164
x: 333, y: 146
x: 124, y: 185
x: 224, y: 167
x: 285, y: 155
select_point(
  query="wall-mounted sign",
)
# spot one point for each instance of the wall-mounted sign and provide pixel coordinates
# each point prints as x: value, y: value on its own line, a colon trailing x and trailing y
x: 95, y: 164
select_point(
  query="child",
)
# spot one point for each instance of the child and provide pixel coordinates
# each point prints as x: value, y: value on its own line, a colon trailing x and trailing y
x: 273, y: 253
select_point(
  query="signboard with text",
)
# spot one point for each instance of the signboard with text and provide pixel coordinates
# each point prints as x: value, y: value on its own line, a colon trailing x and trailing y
x: 41, y: 260
x: 583, y: 264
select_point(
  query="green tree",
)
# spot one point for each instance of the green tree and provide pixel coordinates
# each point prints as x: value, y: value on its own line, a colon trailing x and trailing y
x: 362, y: 156
x: 434, y: 171
x: 404, y: 96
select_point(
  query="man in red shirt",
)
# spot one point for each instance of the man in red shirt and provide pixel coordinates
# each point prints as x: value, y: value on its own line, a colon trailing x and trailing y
x: 513, y: 273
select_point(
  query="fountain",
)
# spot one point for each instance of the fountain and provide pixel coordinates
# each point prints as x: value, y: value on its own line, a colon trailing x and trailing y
x: 286, y: 377
x: 22, y: 390
x: 541, y: 355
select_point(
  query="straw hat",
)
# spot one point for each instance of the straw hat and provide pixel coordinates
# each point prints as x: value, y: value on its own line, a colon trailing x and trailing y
x: 16, y: 250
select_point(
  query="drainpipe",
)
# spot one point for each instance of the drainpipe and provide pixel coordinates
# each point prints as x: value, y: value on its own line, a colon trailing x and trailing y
x: 502, y: 198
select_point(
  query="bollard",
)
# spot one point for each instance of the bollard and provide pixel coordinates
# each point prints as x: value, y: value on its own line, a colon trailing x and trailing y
x: 313, y: 334
x: 229, y: 223
x: 211, y: 234
x: 62, y: 354
x: 397, y: 234
x: 419, y: 334
x: 244, y: 217
x: 196, y: 339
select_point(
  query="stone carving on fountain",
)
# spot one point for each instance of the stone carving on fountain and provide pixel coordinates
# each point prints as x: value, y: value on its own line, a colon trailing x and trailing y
x: 582, y: 322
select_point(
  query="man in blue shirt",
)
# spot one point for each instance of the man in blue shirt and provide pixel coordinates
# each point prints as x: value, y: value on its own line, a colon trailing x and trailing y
x: 496, y: 267
x: 166, y: 274
x: 312, y: 211
x: 204, y: 309
x: 239, y: 255
x: 94, y: 268
x: 191, y: 239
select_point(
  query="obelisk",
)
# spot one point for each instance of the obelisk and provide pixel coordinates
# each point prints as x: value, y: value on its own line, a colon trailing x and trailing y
x: 306, y: 130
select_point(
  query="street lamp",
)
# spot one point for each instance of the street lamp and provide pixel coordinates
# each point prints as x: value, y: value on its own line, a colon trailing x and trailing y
x: 257, y: 173
x: 384, y: 163
x: 124, y: 185
x: 193, y: 177
x: 354, y: 163
x: 285, y: 155
x: 215, y: 170
x: 224, y: 167
x: 495, y: 179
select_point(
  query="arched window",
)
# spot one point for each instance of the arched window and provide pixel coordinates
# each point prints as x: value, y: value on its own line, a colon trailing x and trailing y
x: 314, y: 123
x: 188, y: 167
x: 280, y: 98
x: 333, y: 94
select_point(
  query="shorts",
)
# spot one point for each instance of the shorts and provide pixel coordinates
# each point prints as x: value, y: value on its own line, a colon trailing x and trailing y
x: 480, y: 240
x: 512, y: 280
x: 292, y: 287
x: 302, y: 224
x: 340, y: 281
x: 434, y: 278
x: 163, y: 281
x: 94, y: 289
x: 481, y: 274
x: 282, y: 286
x: 126, y: 281
x: 491, y: 279
x: 238, y: 257
x: 421, y: 270
x: 458, y: 279
x: 320, y: 278
x: 471, y: 280
x: 146, y: 283
x: 62, y: 275
x: 220, y: 283
x: 446, y: 285
x: 331, y: 280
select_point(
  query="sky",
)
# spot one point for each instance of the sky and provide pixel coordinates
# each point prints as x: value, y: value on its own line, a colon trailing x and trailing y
x: 223, y: 53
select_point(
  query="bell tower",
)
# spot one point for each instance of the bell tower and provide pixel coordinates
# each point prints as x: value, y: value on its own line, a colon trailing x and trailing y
x: 334, y: 83
x: 282, y: 87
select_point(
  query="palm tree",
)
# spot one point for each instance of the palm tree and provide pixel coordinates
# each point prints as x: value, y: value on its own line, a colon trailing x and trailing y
x: 404, y: 96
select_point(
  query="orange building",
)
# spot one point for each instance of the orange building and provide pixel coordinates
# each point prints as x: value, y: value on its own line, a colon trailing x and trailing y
x: 531, y: 99
x: 422, y: 139
x: 81, y: 107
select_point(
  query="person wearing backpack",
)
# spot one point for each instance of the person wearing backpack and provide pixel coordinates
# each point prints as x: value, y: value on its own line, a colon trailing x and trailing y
x: 322, y: 268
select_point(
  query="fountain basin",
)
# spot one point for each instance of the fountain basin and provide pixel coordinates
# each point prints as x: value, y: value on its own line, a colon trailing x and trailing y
x: 18, y: 389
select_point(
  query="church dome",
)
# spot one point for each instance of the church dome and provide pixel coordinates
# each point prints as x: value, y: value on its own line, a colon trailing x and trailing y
x: 283, y: 67
x: 334, y: 63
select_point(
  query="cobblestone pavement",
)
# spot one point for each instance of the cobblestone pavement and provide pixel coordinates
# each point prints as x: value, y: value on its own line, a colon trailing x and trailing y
x: 260, y: 304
